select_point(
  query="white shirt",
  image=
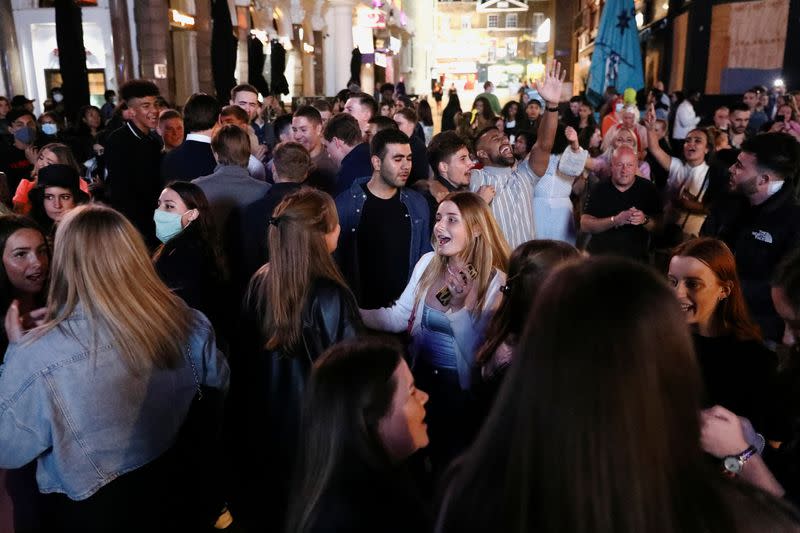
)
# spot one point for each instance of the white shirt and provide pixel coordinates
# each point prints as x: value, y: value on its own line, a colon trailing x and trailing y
x: 512, y: 206
x: 685, y: 120
x: 694, y: 180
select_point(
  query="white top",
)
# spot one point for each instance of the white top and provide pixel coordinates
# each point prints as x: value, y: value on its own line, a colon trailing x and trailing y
x: 684, y: 177
x: 552, y: 206
x: 685, y: 120
x: 467, y: 329
x: 512, y: 205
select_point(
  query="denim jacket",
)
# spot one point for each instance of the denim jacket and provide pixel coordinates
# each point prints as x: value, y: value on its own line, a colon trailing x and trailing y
x: 84, y: 415
x: 350, y: 205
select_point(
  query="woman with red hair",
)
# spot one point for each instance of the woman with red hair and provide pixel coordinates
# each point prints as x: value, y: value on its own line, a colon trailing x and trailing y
x: 737, y: 369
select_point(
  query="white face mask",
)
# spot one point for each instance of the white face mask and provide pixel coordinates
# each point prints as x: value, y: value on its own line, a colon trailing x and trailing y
x: 58, y: 97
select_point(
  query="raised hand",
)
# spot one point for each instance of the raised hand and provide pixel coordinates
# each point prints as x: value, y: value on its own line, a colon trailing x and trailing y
x: 572, y: 135
x: 550, y: 87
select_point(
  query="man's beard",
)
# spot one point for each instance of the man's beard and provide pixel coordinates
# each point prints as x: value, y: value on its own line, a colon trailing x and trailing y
x: 745, y: 188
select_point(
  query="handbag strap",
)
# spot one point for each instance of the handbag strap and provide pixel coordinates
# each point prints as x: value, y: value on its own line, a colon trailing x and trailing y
x: 194, y: 372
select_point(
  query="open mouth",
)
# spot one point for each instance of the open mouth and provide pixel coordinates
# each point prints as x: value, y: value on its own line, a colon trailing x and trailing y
x: 442, y: 240
x: 506, y: 150
x: 36, y: 277
x: 686, y: 308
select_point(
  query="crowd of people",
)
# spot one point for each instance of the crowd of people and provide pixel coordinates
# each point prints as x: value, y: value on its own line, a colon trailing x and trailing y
x: 547, y: 316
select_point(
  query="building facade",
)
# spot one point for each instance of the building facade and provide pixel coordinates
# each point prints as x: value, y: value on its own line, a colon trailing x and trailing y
x: 503, y: 41
x: 717, y: 47
x: 170, y: 43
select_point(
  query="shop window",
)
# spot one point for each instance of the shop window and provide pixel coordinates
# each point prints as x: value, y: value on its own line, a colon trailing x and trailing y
x: 466, y: 22
x: 492, y: 21
x: 511, y: 20
x: 537, y: 20
x: 444, y: 22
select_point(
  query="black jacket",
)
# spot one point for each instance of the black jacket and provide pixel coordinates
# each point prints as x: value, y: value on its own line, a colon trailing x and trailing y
x: 363, y: 500
x: 266, y: 393
x: 133, y: 160
x: 188, y: 267
x: 760, y: 237
x: 188, y: 161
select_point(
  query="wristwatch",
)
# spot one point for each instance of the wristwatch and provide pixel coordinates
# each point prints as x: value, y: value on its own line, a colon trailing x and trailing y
x: 734, y: 463
x: 552, y: 109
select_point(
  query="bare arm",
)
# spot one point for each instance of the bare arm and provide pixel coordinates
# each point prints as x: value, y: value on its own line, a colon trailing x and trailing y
x: 653, y: 147
x: 592, y: 224
x: 550, y: 90
x: 722, y: 436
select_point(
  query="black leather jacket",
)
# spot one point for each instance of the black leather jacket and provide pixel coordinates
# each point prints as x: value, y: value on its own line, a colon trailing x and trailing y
x: 267, y: 389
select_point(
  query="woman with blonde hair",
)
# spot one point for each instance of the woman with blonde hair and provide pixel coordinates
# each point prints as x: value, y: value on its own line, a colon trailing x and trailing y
x: 98, y: 393
x: 297, y: 306
x: 446, y: 306
x: 600, y: 166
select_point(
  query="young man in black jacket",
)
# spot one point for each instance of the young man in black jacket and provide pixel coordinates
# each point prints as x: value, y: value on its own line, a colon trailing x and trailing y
x: 133, y: 159
x: 760, y: 221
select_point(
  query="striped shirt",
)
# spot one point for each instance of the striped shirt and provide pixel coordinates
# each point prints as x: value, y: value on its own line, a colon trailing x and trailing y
x: 513, y: 200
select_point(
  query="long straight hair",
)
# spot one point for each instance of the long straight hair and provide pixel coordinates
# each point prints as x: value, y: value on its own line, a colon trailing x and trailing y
x: 596, y: 428
x: 529, y: 265
x: 350, y: 390
x: 100, y: 262
x: 487, y: 249
x: 731, y: 315
x: 298, y: 256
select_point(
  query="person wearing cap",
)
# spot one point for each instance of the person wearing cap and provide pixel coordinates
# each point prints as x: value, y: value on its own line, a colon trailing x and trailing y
x: 21, y: 101
x: 18, y: 155
x: 57, y: 192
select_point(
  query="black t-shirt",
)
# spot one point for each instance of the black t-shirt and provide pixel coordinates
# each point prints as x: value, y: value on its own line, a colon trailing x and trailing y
x: 605, y: 201
x: 741, y: 376
x: 384, y: 241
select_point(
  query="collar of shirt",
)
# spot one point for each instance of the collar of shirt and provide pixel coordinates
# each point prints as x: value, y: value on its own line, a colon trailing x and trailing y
x: 199, y: 138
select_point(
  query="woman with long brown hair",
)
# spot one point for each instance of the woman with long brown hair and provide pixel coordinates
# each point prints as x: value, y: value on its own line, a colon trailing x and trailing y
x: 530, y: 263
x: 446, y: 305
x: 738, y: 371
x: 98, y: 393
x: 599, y: 431
x: 297, y: 306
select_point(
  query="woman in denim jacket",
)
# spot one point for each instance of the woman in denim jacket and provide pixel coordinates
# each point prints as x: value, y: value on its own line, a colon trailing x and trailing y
x: 98, y: 392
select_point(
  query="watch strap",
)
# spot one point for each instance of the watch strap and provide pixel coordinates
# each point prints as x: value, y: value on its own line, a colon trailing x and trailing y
x: 552, y: 109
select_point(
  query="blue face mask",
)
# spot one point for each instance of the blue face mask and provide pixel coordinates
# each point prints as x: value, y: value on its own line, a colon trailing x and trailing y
x: 25, y: 135
x: 49, y: 128
x: 167, y: 225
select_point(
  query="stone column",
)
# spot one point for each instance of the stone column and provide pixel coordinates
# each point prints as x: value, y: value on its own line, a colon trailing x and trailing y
x: 123, y: 52
x: 242, y: 63
x: 184, y: 54
x: 10, y: 63
x: 328, y: 42
x: 309, y: 88
x: 342, y: 34
x: 152, y: 24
